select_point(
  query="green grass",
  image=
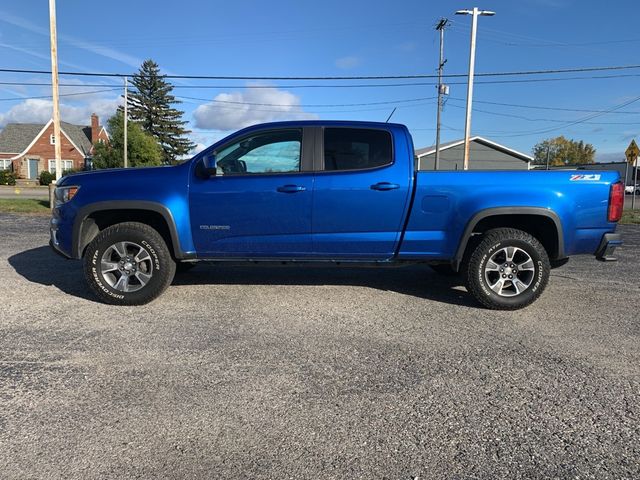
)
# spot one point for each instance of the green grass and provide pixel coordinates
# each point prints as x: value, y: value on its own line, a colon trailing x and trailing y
x: 24, y: 205
x: 630, y: 217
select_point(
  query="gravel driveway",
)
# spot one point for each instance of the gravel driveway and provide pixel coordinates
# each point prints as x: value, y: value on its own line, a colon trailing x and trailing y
x: 300, y: 372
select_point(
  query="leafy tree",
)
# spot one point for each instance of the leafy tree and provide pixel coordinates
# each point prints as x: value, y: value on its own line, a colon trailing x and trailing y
x: 143, y: 150
x: 563, y: 151
x: 150, y: 104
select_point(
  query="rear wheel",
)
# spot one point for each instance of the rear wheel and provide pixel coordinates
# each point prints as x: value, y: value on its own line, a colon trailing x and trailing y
x: 128, y: 264
x: 508, y: 270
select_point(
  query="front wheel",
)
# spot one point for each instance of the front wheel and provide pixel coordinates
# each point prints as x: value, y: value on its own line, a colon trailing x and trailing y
x: 508, y: 270
x: 128, y: 264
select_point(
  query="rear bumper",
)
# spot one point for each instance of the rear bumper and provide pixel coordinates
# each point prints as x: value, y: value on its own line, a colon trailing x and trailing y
x: 607, y: 246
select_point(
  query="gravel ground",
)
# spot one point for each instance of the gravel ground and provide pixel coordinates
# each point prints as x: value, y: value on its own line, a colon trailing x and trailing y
x: 315, y: 373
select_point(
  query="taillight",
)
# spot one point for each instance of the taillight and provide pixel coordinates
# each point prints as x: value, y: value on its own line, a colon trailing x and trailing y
x: 616, y: 202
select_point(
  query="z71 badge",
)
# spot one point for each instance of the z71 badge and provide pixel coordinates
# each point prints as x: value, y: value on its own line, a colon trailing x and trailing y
x: 591, y: 177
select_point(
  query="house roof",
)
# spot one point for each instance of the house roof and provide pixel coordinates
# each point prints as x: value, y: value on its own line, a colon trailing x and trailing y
x: 78, y: 134
x: 17, y: 137
x: 421, y: 152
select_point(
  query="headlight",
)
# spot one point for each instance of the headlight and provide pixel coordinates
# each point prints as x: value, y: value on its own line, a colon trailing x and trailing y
x: 64, y: 194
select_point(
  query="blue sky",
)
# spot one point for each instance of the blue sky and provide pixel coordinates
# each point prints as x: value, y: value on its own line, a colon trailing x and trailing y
x: 347, y: 37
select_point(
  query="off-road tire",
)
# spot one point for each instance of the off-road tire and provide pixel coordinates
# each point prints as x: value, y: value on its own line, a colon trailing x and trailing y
x: 163, y: 266
x: 492, y: 242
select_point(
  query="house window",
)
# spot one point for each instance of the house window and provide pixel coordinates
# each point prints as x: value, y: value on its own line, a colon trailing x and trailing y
x: 66, y: 165
x: 52, y: 139
x: 5, y: 164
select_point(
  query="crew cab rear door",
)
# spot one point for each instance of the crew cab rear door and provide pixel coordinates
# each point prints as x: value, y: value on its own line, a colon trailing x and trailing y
x: 258, y: 205
x: 361, y: 192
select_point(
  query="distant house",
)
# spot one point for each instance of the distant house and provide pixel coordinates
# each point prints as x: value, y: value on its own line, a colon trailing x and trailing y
x: 484, y: 154
x: 28, y: 148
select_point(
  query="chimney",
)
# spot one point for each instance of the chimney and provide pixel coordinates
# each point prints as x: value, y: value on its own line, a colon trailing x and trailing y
x: 95, y: 127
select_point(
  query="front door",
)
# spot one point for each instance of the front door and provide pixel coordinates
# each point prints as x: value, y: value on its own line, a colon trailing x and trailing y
x: 33, y: 168
x: 258, y: 205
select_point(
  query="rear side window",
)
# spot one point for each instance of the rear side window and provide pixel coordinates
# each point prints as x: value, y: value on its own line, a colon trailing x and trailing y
x: 356, y: 148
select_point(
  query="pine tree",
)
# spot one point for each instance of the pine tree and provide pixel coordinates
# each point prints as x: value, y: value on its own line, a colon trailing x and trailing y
x: 151, y: 105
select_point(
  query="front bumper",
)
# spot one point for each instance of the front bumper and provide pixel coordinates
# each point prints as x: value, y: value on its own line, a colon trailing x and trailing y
x: 54, y: 241
x: 607, y: 246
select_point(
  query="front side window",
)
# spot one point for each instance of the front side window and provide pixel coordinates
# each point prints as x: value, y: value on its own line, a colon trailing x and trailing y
x: 268, y: 152
x: 356, y: 148
x: 5, y: 164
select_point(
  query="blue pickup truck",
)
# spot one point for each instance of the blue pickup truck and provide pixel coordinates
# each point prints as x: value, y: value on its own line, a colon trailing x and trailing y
x: 331, y: 191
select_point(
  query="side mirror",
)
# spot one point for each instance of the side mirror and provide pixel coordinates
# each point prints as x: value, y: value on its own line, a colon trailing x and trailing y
x: 209, y: 164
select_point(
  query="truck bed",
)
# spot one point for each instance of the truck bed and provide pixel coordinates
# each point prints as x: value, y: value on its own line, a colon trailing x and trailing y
x: 445, y: 203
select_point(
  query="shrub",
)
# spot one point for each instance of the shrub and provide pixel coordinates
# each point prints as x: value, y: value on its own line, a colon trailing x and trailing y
x: 46, y: 177
x: 71, y: 171
x: 7, y: 178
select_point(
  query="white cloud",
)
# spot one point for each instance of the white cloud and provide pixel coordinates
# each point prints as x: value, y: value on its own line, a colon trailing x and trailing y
x: 348, y: 62
x: 198, y: 148
x: 39, y: 111
x: 248, y: 108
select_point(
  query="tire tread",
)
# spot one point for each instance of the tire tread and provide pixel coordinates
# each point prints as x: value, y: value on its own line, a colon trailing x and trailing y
x: 488, y: 239
x: 163, y: 252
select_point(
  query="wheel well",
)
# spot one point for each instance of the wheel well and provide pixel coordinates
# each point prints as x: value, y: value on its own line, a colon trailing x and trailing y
x: 98, y: 221
x: 541, y: 227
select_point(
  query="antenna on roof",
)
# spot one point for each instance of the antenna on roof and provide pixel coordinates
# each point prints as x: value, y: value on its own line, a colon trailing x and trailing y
x: 390, y: 115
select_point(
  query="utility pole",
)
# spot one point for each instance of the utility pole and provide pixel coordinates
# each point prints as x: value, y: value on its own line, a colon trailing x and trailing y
x: 548, y: 148
x: 441, y: 89
x: 472, y: 61
x: 126, y: 123
x: 54, y: 88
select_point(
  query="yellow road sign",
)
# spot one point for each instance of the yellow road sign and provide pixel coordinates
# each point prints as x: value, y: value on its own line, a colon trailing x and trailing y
x: 632, y: 152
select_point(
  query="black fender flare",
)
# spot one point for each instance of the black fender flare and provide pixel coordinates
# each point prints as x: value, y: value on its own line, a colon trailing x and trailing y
x: 495, y: 211
x: 84, y: 212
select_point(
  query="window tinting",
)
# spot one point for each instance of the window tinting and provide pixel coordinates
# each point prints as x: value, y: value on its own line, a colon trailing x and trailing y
x: 269, y: 152
x: 356, y: 148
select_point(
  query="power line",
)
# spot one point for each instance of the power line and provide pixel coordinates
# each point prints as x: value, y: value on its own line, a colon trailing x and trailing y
x: 575, y: 122
x: 539, y: 107
x: 331, y: 78
x: 311, y: 105
x: 553, y: 120
x: 61, y: 95
x: 540, y: 42
x: 48, y: 84
x: 293, y: 106
x: 367, y: 85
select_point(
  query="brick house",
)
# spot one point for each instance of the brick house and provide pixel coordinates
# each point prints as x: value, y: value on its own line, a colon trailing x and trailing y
x: 28, y: 149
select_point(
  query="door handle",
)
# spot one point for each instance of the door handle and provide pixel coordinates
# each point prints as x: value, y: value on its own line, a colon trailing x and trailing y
x: 383, y: 186
x: 291, y: 188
